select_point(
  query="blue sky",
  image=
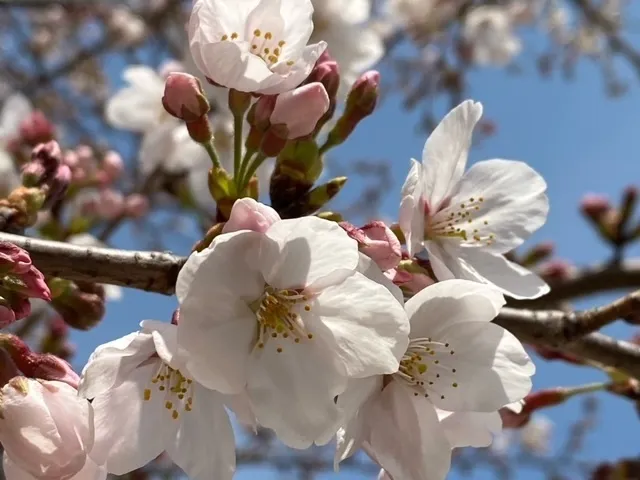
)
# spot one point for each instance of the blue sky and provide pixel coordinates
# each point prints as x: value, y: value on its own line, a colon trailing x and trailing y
x: 576, y: 137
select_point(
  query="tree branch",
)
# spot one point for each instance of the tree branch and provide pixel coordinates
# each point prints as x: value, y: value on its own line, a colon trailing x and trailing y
x: 537, y: 327
x: 158, y: 271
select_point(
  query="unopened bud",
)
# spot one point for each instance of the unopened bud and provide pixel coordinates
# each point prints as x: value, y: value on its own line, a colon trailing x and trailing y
x: 274, y: 141
x: 58, y: 185
x: 556, y: 270
x: 136, y: 205
x: 45, y: 160
x: 328, y: 74
x: 82, y: 306
x: 361, y: 102
x: 14, y: 259
x: 627, y: 208
x: 36, y: 129
x: 200, y: 130
x: 112, y: 165
x: 377, y: 242
x: 595, y: 206
x: 175, y: 318
x: 537, y: 254
x: 183, y: 97
x: 300, y: 109
x: 211, y: 234
x: 545, y: 398
x: 49, y: 367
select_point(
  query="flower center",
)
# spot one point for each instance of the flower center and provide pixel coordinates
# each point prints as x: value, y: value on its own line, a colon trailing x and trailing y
x: 277, y: 317
x: 424, y: 367
x: 176, y: 388
x: 263, y: 45
x: 459, y: 222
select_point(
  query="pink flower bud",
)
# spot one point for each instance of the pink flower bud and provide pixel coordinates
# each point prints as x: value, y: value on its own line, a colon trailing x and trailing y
x: 58, y: 185
x: 260, y: 113
x: 595, y: 206
x: 7, y: 316
x: 111, y: 204
x: 47, y: 429
x: 71, y: 158
x: 35, y: 285
x: 300, y: 109
x: 247, y: 214
x: 113, y: 165
x: 14, y: 259
x: 36, y: 129
x: 556, y: 270
x: 381, y: 245
x: 328, y: 74
x: 85, y: 156
x: 364, y: 94
x: 136, y: 205
x: 49, y: 367
x: 184, y: 98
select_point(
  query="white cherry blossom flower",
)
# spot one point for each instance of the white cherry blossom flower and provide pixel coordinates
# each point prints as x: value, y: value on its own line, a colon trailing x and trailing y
x: 352, y: 42
x: 458, y: 370
x: 47, y: 431
x: 138, y: 106
x: 146, y: 402
x: 15, y: 109
x: 468, y: 220
x: 254, y: 45
x: 488, y: 30
x: 535, y: 436
x: 285, y: 316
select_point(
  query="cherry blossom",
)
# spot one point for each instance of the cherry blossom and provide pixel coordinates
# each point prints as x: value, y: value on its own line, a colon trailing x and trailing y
x: 146, y: 402
x: 254, y: 45
x: 354, y: 44
x: 15, y: 109
x: 458, y: 370
x: 46, y: 432
x: 467, y: 220
x: 488, y: 30
x: 286, y: 317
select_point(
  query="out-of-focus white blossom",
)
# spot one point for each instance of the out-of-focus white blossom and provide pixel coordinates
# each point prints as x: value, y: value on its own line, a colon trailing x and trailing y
x: 488, y: 30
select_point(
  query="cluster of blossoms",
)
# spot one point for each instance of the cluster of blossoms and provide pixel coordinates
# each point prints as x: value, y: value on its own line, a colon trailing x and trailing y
x: 313, y: 328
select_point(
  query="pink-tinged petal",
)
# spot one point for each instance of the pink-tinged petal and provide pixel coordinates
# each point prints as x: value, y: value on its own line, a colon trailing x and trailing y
x: 445, y: 153
x: 470, y: 429
x: 451, y: 302
x: 382, y: 245
x: 365, y: 325
x: 369, y: 269
x: 406, y: 438
x: 491, y: 367
x: 412, y: 212
x: 307, y: 252
x: 505, y: 201
x: 12, y: 470
x: 306, y: 372
x: 111, y: 363
x: 247, y: 214
x: 204, y: 446
x: 300, y: 109
x: 130, y: 430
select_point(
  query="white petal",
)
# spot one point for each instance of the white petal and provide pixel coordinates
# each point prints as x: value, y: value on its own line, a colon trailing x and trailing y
x: 291, y: 76
x: 411, y: 216
x: 470, y: 429
x: 267, y: 17
x: 491, y: 366
x: 165, y: 340
x: 445, y: 152
x: 240, y: 405
x: 297, y: 23
x: 12, y: 471
x: 204, y: 446
x: 441, y: 305
x: 307, y: 252
x: 366, y: 326
x: 514, y: 204
x: 91, y: 471
x: 111, y: 363
x: 132, y: 431
x: 406, y: 437
x: 369, y: 269
x: 512, y: 279
x: 354, y: 404
x: 15, y: 109
x: 137, y: 107
x: 293, y: 392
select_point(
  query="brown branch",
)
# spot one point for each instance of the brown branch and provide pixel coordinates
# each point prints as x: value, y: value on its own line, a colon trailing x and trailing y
x: 587, y: 281
x: 151, y: 271
x: 537, y: 327
x: 157, y: 272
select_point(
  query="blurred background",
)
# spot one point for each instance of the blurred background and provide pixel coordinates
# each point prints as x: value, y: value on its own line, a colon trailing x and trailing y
x: 559, y: 82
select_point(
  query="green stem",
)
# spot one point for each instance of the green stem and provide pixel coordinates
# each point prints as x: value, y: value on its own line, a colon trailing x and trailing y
x: 257, y: 161
x: 211, y: 150
x: 588, y: 388
x: 248, y: 155
x: 238, y: 124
